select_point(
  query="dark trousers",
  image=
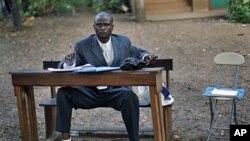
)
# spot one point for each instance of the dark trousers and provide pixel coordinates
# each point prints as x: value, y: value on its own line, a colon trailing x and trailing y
x: 120, y: 98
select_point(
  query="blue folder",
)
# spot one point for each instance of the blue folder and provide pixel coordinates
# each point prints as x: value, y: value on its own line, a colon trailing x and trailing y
x: 97, y: 69
x: 240, y: 92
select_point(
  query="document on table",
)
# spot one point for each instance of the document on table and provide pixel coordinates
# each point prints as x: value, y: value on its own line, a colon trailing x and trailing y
x: 82, y: 69
x: 223, y: 92
x: 69, y: 69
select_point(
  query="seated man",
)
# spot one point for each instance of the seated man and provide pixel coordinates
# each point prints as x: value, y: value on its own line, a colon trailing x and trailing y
x: 100, y: 49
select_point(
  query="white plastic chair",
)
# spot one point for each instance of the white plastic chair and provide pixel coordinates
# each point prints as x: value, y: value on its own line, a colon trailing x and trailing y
x: 221, y: 92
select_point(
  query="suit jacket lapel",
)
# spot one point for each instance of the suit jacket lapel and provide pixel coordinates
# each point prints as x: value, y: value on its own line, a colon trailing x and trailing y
x: 97, y: 51
x: 116, y: 50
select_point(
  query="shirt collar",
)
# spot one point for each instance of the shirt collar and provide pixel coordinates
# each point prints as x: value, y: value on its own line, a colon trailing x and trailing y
x: 108, y: 44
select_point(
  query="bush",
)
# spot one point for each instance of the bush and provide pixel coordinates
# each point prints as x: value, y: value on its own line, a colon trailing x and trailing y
x: 78, y: 3
x: 62, y: 7
x: 104, y: 5
x: 239, y: 11
x: 41, y: 7
x: 48, y: 7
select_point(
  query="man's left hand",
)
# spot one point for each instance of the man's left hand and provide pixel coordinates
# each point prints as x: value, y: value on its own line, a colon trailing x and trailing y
x: 150, y: 58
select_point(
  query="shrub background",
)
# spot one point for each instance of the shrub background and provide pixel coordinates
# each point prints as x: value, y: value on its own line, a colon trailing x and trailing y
x: 239, y: 11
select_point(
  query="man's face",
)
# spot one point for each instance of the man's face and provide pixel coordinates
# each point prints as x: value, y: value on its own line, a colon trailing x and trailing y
x: 103, y: 27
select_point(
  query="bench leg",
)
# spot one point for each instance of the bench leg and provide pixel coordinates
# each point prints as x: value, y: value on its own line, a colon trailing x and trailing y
x: 50, y: 114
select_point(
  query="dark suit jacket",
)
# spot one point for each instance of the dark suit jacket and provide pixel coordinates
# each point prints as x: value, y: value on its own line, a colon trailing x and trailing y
x: 89, y: 51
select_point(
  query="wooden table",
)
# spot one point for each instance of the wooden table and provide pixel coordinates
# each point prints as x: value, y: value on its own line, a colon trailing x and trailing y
x: 24, y: 80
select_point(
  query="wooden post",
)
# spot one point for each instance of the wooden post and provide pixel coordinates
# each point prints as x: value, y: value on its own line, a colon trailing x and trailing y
x: 132, y: 6
x: 140, y: 11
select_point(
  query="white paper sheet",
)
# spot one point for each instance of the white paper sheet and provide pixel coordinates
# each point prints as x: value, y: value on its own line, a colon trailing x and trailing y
x: 69, y: 69
x: 224, y: 92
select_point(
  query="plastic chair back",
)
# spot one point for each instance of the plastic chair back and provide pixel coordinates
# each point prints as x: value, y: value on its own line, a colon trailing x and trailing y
x: 229, y: 59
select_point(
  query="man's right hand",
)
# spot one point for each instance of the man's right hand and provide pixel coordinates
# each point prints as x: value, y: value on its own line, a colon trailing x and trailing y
x: 70, y: 59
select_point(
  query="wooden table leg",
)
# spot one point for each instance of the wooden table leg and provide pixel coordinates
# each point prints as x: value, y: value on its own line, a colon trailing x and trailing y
x: 32, y: 113
x: 167, y: 110
x: 27, y: 113
x: 157, y: 114
x: 22, y: 112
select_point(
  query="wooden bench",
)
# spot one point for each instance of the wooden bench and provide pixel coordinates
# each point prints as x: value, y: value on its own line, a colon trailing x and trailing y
x: 49, y: 104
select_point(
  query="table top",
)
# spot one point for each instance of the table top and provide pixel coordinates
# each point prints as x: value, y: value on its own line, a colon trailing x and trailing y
x: 40, y: 77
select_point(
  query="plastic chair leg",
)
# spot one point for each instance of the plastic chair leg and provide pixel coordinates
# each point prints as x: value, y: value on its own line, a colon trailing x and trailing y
x: 213, y: 113
x: 235, y: 114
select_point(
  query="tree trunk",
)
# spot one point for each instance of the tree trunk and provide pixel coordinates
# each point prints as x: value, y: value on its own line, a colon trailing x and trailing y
x: 16, y: 17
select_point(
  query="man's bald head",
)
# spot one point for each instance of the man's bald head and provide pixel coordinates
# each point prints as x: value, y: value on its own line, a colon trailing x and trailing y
x: 103, y: 25
x: 103, y: 15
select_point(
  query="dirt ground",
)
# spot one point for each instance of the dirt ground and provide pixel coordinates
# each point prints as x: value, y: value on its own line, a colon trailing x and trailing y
x: 191, y: 44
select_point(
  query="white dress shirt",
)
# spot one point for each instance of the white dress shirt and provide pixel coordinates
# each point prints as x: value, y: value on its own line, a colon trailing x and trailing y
x: 108, y: 52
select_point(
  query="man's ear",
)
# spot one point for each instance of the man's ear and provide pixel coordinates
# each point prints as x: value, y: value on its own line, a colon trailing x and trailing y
x: 112, y: 27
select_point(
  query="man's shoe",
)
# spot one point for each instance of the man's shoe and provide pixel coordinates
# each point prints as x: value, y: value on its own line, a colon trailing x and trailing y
x: 166, y: 98
x: 144, y: 98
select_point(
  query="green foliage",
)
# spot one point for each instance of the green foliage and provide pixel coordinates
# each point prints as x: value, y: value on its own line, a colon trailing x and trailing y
x: 1, y: 17
x: 62, y: 6
x: 48, y: 7
x: 41, y: 7
x: 78, y: 3
x: 239, y: 11
x: 104, y: 5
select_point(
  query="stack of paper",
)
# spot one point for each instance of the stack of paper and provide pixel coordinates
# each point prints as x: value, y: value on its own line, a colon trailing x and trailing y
x: 84, y: 69
x: 65, y: 69
x: 223, y: 92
